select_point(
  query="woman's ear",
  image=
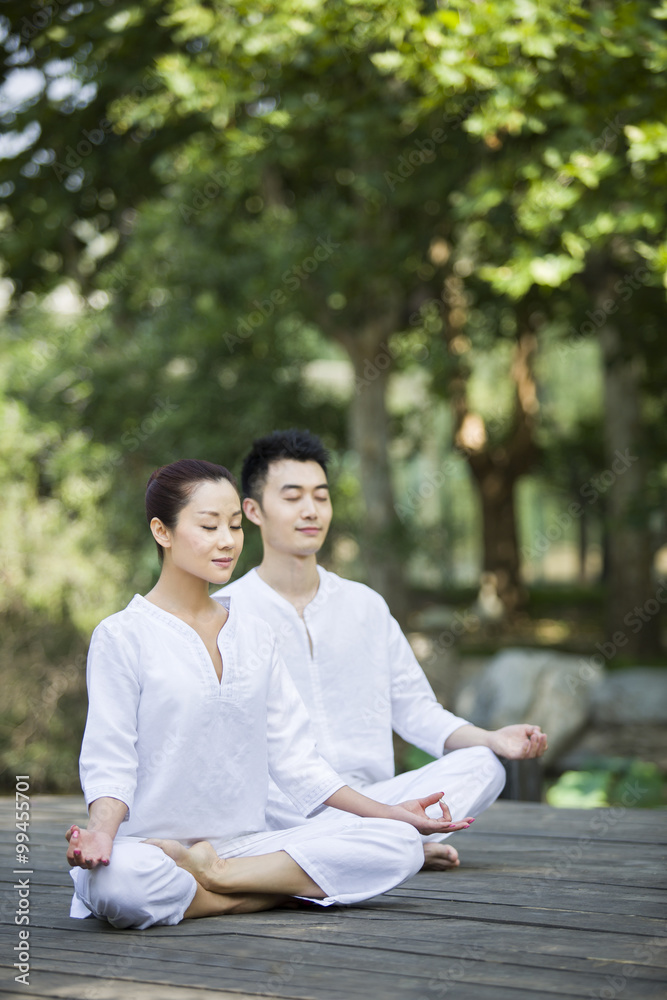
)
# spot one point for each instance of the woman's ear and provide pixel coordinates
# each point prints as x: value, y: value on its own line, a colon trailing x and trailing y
x: 161, y: 533
x: 252, y: 511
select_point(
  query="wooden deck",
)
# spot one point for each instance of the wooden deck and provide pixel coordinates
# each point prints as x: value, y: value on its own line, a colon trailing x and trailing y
x: 562, y: 903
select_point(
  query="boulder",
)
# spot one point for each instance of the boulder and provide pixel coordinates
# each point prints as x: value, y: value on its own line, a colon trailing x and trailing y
x: 631, y: 697
x: 552, y: 690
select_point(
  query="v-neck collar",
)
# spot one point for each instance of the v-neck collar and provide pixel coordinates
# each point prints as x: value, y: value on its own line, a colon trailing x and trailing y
x: 225, y: 635
x: 139, y: 603
x: 278, y: 597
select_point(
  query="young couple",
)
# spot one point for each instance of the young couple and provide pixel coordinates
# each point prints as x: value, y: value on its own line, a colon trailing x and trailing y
x: 211, y: 787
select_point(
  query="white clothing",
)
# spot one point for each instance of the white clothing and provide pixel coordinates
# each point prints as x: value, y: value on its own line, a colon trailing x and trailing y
x: 191, y: 756
x: 359, y: 680
x: 350, y: 858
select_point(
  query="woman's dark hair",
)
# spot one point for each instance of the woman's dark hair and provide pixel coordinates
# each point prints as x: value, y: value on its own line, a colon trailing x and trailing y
x: 296, y: 444
x: 169, y: 489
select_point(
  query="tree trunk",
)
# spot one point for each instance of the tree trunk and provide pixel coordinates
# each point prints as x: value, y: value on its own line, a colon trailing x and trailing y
x: 497, y: 468
x: 501, y: 550
x: 633, y: 613
x: 369, y: 437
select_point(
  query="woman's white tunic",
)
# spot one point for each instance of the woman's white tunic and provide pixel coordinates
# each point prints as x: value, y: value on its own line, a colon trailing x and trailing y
x: 188, y: 754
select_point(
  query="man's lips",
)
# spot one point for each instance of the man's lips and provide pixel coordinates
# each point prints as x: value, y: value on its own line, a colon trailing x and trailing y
x: 309, y: 531
x: 224, y: 561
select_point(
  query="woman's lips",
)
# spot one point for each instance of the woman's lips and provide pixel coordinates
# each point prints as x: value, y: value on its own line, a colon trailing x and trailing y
x: 309, y: 531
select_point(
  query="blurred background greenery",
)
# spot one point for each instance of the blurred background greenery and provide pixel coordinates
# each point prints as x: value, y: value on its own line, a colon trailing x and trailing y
x: 431, y: 232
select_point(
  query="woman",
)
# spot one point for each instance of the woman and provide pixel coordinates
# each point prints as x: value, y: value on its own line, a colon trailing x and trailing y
x: 190, y: 709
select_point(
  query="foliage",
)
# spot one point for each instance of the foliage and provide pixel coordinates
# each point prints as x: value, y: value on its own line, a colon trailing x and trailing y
x: 621, y: 782
x: 199, y: 199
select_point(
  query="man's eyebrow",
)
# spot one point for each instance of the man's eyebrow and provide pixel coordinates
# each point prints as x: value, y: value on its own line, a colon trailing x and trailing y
x: 299, y: 486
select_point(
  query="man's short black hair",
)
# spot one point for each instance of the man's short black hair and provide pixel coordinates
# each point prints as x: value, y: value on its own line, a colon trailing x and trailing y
x: 302, y: 446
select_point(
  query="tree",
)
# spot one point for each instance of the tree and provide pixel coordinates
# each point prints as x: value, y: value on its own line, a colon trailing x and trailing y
x: 572, y: 199
x: 375, y: 134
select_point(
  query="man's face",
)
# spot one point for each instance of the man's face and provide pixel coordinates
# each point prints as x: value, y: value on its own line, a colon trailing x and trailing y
x: 295, y: 510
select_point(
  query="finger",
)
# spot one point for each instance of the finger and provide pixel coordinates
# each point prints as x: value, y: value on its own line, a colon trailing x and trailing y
x: 429, y: 800
x: 439, y: 826
x: 453, y: 823
x: 446, y: 815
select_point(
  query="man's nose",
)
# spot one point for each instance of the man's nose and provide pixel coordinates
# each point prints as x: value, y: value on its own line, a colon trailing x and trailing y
x: 308, y: 507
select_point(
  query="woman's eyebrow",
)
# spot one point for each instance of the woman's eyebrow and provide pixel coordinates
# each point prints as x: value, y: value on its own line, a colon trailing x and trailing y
x: 215, y: 513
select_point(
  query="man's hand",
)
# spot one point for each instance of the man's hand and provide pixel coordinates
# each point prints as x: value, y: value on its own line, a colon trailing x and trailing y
x: 87, y: 849
x: 520, y: 742
x: 414, y: 812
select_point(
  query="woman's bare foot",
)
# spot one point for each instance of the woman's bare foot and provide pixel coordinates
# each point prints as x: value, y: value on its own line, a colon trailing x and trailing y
x: 200, y: 860
x: 211, y: 898
x: 440, y: 857
x: 274, y: 873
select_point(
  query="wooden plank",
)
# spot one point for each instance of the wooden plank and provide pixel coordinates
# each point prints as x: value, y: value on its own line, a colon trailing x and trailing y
x: 56, y: 986
x: 352, y: 970
x: 549, y: 903
x: 411, y: 954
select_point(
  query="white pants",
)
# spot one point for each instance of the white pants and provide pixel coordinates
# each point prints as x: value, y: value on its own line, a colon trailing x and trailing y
x: 351, y: 859
x: 471, y: 779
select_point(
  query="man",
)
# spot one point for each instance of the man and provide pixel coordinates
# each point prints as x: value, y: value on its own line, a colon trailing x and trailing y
x: 350, y: 661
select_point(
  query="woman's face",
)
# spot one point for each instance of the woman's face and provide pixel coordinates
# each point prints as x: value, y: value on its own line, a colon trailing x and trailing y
x: 208, y: 537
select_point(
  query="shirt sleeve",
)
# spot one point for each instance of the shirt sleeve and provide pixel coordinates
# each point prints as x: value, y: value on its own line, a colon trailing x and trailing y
x: 108, y: 761
x: 294, y: 762
x: 417, y: 716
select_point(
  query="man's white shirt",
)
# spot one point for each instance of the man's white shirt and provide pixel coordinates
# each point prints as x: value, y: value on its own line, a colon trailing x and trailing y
x: 359, y: 680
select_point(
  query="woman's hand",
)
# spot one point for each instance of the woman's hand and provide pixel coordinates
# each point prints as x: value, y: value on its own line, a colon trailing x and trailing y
x: 414, y: 812
x: 87, y: 848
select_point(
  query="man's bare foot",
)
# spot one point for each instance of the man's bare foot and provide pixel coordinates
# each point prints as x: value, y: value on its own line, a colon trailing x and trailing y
x: 200, y: 860
x: 440, y: 857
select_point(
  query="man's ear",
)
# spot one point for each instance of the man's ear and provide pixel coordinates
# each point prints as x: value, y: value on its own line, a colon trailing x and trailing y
x: 161, y: 533
x: 252, y: 511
